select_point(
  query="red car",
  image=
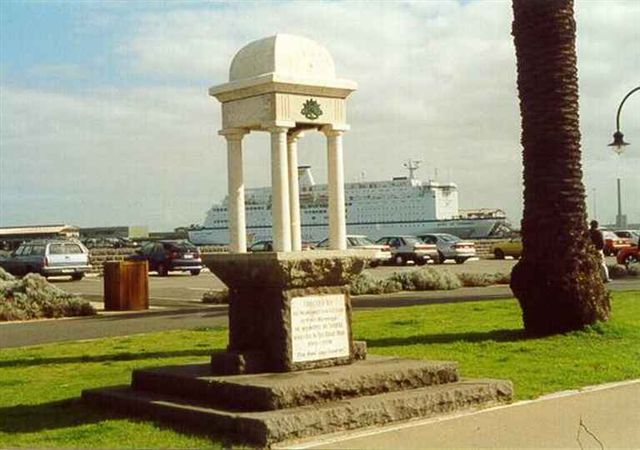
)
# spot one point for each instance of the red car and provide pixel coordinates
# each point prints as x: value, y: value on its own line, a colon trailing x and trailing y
x: 614, y: 243
x: 629, y: 256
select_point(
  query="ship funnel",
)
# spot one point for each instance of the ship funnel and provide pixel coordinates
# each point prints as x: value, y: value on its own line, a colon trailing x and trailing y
x: 305, y: 177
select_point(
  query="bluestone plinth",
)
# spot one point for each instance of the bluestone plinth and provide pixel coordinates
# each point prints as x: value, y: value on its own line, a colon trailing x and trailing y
x: 286, y: 374
x: 263, y: 409
x: 287, y: 311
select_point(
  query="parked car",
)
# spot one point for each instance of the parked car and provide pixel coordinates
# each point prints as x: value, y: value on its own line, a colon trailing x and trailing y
x: 450, y: 247
x: 633, y: 235
x: 629, y: 256
x: 49, y: 257
x: 109, y: 242
x: 167, y: 256
x: 613, y: 243
x: 511, y: 247
x: 261, y: 246
x: 382, y: 252
x: 267, y: 246
x: 409, y: 248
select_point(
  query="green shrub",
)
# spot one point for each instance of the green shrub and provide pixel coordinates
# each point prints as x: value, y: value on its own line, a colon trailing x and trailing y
x: 483, y: 279
x: 502, y: 278
x: 617, y: 271
x: 5, y: 276
x: 633, y: 271
x: 476, y: 279
x: 367, y: 284
x: 216, y: 297
x: 404, y: 280
x: 32, y: 297
x: 391, y: 286
x: 426, y: 279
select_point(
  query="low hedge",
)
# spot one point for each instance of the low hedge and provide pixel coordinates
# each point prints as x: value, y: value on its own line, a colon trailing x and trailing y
x: 367, y: 284
x: 216, y: 297
x: 483, y: 279
x: 423, y: 279
x: 617, y: 271
x: 33, y: 297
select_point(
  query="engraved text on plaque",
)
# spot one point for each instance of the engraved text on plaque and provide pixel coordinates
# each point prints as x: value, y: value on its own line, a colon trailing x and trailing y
x: 319, y: 327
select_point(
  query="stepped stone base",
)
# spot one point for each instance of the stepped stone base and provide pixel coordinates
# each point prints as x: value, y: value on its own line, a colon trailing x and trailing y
x: 263, y: 409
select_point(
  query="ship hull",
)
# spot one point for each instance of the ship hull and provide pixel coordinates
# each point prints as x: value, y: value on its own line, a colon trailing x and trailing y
x: 481, y: 228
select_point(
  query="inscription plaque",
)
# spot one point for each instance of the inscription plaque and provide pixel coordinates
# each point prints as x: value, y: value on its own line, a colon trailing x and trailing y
x: 319, y: 327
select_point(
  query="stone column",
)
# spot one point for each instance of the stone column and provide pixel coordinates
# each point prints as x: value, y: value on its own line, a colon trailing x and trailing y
x: 281, y: 216
x: 294, y: 194
x: 337, y: 221
x: 235, y: 179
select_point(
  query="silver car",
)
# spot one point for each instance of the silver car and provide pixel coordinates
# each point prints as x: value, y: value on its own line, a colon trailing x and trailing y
x: 49, y: 258
x: 408, y: 248
x: 450, y: 247
x: 382, y: 252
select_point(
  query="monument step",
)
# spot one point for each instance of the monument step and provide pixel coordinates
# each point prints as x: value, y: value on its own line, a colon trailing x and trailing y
x: 264, y: 428
x: 271, y: 391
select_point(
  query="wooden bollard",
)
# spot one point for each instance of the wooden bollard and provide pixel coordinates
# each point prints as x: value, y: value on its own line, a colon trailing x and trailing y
x: 126, y: 286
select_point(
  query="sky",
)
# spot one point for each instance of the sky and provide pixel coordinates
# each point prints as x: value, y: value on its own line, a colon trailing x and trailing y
x: 105, y: 118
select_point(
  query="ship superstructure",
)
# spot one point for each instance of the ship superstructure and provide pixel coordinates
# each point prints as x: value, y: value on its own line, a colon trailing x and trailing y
x: 403, y: 205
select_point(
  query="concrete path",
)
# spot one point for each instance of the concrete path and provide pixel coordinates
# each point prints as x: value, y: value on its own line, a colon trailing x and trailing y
x: 606, y: 416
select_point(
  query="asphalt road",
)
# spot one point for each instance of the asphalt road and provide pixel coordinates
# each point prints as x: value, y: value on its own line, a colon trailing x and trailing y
x: 20, y: 334
x: 175, y: 304
x: 182, y: 290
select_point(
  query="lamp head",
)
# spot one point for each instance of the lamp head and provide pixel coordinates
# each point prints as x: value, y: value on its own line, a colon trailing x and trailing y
x: 618, y: 143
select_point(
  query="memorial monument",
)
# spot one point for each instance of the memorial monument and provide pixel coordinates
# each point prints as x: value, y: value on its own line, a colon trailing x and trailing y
x: 291, y: 369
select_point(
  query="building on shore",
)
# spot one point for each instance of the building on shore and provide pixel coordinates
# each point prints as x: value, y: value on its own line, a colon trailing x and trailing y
x: 12, y: 237
x: 129, y: 232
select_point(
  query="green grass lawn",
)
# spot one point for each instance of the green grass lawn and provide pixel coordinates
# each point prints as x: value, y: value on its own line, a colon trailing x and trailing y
x: 40, y: 385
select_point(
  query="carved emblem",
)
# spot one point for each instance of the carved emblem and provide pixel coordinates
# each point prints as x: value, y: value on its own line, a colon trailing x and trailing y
x: 311, y: 109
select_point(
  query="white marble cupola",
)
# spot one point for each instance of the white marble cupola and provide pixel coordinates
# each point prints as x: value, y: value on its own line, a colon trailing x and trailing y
x: 284, y: 85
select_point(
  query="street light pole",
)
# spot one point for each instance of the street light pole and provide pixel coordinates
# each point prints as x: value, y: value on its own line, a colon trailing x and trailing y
x: 618, y: 145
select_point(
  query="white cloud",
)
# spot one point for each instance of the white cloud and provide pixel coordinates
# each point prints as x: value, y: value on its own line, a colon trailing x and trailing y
x: 436, y: 82
x: 142, y: 156
x: 58, y: 71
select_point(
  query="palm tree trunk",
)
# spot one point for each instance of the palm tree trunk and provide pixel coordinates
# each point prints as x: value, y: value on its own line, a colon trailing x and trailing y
x: 557, y: 280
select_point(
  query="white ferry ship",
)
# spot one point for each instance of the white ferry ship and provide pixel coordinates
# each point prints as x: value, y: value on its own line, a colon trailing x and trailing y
x: 401, y: 206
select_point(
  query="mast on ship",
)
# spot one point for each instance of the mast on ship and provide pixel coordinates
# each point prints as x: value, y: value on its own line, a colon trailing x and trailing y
x: 412, y: 166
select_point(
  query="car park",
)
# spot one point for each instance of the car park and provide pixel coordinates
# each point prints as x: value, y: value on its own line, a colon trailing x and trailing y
x: 109, y: 242
x: 450, y: 247
x: 614, y: 243
x: 382, y: 252
x: 511, y: 247
x: 409, y: 248
x: 49, y: 257
x: 267, y: 246
x: 167, y: 256
x: 629, y: 257
x: 261, y: 246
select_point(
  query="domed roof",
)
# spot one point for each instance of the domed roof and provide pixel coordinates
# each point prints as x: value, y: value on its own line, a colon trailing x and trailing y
x: 285, y: 55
